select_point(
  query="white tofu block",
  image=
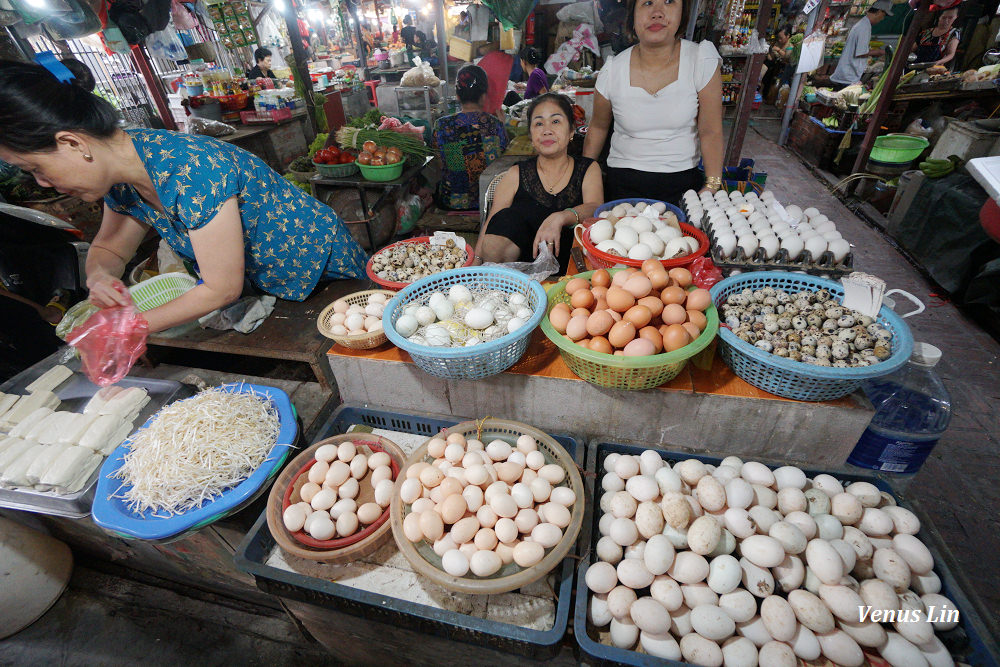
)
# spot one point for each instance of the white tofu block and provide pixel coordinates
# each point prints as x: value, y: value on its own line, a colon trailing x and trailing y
x: 100, y: 432
x: 117, y: 439
x: 28, y: 404
x: 55, y: 426
x: 76, y: 428
x: 51, y: 379
x: 100, y: 398
x: 125, y: 402
x: 83, y: 474
x: 67, y: 466
x: 7, y: 401
x: 30, y: 422
x: 14, y: 448
x: 15, y: 474
x: 42, y: 463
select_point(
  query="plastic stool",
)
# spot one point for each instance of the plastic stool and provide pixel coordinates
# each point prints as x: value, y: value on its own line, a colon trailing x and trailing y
x: 372, y: 96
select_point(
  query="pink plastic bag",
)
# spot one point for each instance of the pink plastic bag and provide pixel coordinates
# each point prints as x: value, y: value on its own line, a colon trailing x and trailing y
x: 110, y: 342
x: 705, y: 272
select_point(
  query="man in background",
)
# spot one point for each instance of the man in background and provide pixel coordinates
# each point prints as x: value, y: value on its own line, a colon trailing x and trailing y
x: 856, y: 53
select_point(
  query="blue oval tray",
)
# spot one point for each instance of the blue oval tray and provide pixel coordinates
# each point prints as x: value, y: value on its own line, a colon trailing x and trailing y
x: 112, y: 513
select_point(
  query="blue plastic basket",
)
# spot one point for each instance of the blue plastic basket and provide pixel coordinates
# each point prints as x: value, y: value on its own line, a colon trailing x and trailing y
x: 477, y: 361
x: 607, y: 206
x: 112, y: 513
x: 384, y: 613
x: 796, y: 379
x: 970, y: 643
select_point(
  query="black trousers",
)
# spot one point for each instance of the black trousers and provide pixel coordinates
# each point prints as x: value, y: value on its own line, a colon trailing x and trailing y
x: 622, y: 183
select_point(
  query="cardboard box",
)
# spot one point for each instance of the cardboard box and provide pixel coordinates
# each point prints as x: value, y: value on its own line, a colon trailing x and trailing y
x: 463, y: 48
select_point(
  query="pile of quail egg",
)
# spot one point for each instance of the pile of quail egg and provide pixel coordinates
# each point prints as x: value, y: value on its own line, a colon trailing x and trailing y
x: 408, y: 262
x: 463, y: 316
x: 811, y: 327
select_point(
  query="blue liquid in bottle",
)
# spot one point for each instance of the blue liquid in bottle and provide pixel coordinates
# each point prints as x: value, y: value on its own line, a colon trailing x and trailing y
x: 912, y: 411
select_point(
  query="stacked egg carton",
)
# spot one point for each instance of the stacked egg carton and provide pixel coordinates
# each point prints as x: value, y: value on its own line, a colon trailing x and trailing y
x: 753, y: 233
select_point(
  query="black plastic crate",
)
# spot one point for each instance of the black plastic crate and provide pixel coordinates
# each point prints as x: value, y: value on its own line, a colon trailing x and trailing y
x: 970, y: 641
x: 258, y: 544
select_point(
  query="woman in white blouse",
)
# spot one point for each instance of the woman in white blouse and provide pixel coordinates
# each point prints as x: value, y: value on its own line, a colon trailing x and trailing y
x: 665, y: 95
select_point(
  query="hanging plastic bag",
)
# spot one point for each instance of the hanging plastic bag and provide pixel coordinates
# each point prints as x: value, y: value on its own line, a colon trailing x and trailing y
x: 705, y: 273
x: 110, y: 342
x: 544, y: 265
x: 166, y: 44
x: 409, y: 208
x: 184, y: 18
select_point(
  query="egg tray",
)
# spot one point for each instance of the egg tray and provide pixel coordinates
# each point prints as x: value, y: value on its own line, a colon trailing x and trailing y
x: 390, y: 613
x: 825, y: 266
x: 971, y: 642
x: 511, y: 576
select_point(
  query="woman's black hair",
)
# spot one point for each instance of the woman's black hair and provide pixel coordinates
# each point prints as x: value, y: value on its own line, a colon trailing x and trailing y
x: 35, y: 105
x: 556, y: 98
x: 260, y: 53
x: 630, y: 20
x: 83, y: 76
x: 532, y: 56
x: 471, y: 84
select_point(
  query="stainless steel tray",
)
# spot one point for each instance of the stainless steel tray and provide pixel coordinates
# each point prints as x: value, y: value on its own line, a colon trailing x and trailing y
x: 74, y: 394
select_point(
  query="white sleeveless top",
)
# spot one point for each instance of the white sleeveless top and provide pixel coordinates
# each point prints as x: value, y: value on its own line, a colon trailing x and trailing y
x: 657, y: 134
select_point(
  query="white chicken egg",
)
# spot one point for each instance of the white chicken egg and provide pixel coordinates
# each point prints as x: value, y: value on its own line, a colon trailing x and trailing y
x: 824, y: 226
x: 816, y: 246
x: 675, y: 248
x: 840, y: 248
x: 602, y: 230
x: 668, y: 234
x: 459, y: 294
x: 726, y: 244
x: 654, y: 242
x: 749, y: 244
x: 425, y: 316
x: 355, y: 322
x: 640, y: 251
x: 294, y: 517
x: 831, y: 236
x: 612, y: 247
x: 478, y: 318
x: 407, y: 325
x: 793, y: 245
x: 626, y: 236
x: 642, y: 224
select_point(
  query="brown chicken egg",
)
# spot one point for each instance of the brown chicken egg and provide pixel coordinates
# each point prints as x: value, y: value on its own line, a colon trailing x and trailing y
x: 651, y: 265
x: 599, y: 323
x: 576, y: 284
x: 675, y: 338
x: 692, y: 330
x: 697, y: 318
x: 673, y: 313
x: 653, y: 336
x: 653, y: 303
x: 600, y: 344
x: 672, y: 295
x: 600, y: 304
x: 577, y: 327
x: 638, y: 286
x: 681, y: 275
x: 638, y: 315
x: 599, y: 292
x: 559, y: 317
x: 640, y: 347
x: 615, y: 315
x: 601, y: 278
x: 659, y: 278
x: 618, y: 299
x: 621, y: 334
x: 699, y: 299
x: 580, y: 311
x: 582, y: 298
x: 618, y: 280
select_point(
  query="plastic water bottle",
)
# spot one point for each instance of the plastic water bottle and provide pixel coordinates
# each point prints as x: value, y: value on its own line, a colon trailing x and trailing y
x: 912, y: 410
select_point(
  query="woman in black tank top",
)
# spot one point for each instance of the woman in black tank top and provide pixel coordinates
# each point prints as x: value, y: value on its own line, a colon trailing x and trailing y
x: 541, y: 199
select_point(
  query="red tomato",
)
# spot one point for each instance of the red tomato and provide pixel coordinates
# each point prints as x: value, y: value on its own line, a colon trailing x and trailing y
x: 323, y: 156
x: 334, y: 151
x: 346, y: 158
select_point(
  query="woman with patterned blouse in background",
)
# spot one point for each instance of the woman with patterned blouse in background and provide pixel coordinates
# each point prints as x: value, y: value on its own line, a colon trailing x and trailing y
x: 468, y: 141
x: 214, y: 204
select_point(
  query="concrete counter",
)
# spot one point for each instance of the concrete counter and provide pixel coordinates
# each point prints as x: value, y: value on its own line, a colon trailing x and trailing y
x: 706, y: 408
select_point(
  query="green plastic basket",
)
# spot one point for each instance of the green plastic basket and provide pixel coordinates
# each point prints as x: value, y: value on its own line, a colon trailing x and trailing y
x: 898, y: 148
x: 160, y: 289
x: 387, y: 172
x: 336, y: 170
x: 614, y: 372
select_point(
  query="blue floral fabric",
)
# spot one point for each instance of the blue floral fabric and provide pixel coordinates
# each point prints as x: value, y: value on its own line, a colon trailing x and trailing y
x: 467, y: 143
x: 291, y: 240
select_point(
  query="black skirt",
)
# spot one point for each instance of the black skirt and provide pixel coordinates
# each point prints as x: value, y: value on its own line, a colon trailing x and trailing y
x: 621, y: 183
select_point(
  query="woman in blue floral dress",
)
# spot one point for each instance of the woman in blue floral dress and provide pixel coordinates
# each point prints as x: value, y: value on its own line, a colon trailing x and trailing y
x: 216, y: 205
x: 468, y: 142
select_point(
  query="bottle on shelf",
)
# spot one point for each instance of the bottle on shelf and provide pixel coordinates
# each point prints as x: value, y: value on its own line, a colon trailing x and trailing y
x: 912, y: 411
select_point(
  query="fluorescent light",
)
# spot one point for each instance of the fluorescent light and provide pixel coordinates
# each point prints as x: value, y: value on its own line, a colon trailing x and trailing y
x: 279, y: 5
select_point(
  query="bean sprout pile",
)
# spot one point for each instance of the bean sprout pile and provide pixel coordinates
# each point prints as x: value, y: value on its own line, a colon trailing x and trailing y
x: 195, y: 449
